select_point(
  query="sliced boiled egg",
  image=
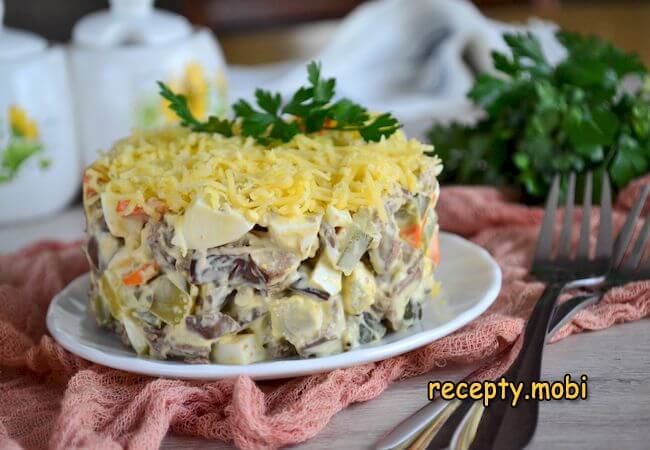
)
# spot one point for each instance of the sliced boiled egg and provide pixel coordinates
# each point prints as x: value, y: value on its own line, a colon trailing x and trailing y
x: 337, y: 217
x: 326, y: 277
x: 202, y: 227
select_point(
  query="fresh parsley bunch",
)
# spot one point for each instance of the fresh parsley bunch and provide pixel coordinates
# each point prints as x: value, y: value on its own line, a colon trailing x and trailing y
x: 310, y: 110
x: 542, y: 119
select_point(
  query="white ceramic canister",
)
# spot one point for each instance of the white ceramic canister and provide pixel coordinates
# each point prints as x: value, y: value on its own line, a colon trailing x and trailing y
x: 116, y: 58
x: 39, y: 161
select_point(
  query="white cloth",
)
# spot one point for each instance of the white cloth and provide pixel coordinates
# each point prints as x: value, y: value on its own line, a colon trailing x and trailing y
x: 414, y: 58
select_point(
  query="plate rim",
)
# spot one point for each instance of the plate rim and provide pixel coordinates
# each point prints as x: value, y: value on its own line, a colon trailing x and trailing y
x: 282, y: 368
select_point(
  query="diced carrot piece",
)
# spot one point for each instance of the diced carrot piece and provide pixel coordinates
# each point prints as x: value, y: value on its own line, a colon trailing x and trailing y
x: 140, y: 275
x: 88, y: 191
x: 434, y: 249
x: 123, y: 206
x: 413, y: 235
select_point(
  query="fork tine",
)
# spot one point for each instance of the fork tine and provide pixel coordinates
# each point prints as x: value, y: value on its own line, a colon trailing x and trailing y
x: 545, y: 239
x: 604, y: 243
x: 624, y: 236
x: 567, y: 223
x: 583, y: 245
x: 639, y: 247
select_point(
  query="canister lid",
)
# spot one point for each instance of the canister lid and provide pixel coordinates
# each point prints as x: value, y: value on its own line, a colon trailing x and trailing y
x: 130, y: 22
x: 17, y: 43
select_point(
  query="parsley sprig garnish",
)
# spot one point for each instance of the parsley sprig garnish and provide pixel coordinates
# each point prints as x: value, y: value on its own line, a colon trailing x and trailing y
x: 309, y: 110
x: 541, y: 119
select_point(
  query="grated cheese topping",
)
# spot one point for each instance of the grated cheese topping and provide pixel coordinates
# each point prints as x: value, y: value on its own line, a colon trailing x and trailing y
x: 175, y: 166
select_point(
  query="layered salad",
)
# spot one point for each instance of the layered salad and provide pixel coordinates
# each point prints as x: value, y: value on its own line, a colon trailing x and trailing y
x: 234, y: 247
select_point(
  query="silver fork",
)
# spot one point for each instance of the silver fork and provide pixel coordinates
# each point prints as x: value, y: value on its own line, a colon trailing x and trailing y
x: 566, y: 310
x: 507, y: 428
x: 560, y: 273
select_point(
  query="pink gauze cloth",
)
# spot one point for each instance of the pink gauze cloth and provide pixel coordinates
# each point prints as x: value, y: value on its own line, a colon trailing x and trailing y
x: 51, y: 398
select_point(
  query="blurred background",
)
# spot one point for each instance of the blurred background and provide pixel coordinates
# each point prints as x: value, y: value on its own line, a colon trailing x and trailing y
x: 258, y: 31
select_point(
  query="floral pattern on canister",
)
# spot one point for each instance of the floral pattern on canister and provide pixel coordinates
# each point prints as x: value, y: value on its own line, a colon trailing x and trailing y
x: 20, y: 143
x: 205, y: 97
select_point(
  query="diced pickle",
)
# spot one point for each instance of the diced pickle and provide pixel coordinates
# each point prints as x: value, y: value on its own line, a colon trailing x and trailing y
x: 107, y: 247
x: 355, y: 247
x: 147, y: 318
x: 110, y: 293
x: 362, y: 235
x: 298, y: 319
x: 170, y: 303
x: 351, y: 334
x: 408, y: 215
x: 100, y: 309
x: 413, y: 311
x: 238, y: 349
x: 358, y: 290
x: 370, y: 329
x: 135, y: 334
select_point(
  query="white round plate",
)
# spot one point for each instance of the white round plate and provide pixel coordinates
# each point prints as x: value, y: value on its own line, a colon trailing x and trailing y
x: 470, y: 281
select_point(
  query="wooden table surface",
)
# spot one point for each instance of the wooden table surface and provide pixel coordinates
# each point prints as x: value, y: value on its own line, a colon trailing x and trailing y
x: 617, y: 360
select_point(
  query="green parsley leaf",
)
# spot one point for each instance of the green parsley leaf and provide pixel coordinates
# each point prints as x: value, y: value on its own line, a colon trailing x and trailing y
x: 215, y: 125
x: 309, y: 110
x: 541, y: 120
x: 525, y: 46
x: 178, y: 104
x: 254, y: 123
x: 629, y: 161
x: 382, y: 126
x: 268, y: 101
x: 347, y: 112
x: 323, y: 90
x: 487, y: 89
x: 284, y: 131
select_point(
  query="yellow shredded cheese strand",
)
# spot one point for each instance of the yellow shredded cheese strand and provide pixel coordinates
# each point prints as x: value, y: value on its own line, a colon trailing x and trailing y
x: 175, y: 166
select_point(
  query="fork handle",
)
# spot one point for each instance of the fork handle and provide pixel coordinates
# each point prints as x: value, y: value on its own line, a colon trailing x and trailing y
x: 564, y: 312
x: 504, y: 427
x: 410, y: 428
